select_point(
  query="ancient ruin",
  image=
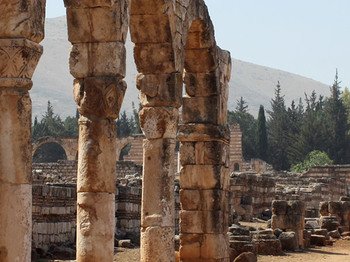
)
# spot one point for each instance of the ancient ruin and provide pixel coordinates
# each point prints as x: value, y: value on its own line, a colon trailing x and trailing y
x: 169, y: 36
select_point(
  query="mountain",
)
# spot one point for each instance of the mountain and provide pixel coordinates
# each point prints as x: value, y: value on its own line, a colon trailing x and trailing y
x: 52, y: 80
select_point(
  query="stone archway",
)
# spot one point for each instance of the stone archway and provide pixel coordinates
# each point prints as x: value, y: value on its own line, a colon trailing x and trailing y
x: 70, y: 145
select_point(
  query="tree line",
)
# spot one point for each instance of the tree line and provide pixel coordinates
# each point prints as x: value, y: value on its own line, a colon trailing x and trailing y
x: 287, y: 137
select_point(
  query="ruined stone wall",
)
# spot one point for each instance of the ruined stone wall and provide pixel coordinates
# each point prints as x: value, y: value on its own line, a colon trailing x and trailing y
x: 324, y: 183
x: 54, y: 215
x: 236, y: 158
x: 65, y: 172
x: 251, y: 194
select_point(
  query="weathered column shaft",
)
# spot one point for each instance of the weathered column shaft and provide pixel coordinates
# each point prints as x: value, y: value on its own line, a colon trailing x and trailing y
x: 160, y: 84
x: 97, y: 30
x: 21, y: 29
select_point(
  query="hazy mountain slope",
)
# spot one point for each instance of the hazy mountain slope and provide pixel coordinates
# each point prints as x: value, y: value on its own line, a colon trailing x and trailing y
x: 52, y: 80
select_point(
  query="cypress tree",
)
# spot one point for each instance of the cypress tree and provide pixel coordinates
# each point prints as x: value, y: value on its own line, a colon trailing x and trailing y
x: 261, y: 135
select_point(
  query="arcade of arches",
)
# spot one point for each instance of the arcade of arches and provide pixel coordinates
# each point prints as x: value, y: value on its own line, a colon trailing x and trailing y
x: 171, y: 37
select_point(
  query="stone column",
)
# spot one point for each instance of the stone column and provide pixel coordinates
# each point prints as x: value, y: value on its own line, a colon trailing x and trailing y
x: 160, y: 85
x: 204, y: 156
x: 97, y: 30
x: 21, y: 29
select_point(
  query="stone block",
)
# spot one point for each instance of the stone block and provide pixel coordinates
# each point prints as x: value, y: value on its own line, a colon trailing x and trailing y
x: 190, y: 245
x: 187, y: 153
x: 154, y: 58
x: 18, y: 58
x: 329, y: 222
x: 279, y: 207
x: 214, y: 246
x: 296, y: 207
x: 287, y: 222
x: 99, y: 96
x: 159, y: 122
x: 335, y: 207
x: 202, y: 84
x: 204, y: 177
x: 191, y: 222
x: 160, y: 90
x: 97, y: 24
x: 324, y: 209
x: 202, y: 60
x: 141, y: 7
x: 318, y: 240
x: 289, y: 241
x: 158, y: 180
x: 97, y: 59
x: 157, y: 242
x: 97, y: 154
x: 95, y: 223
x: 150, y: 28
x: 190, y: 199
x: 202, y: 110
x: 87, y: 3
x: 203, y: 132
x: 22, y: 18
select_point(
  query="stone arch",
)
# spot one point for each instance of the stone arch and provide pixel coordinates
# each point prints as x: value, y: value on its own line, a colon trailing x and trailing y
x: 124, y: 141
x: 70, y: 145
x: 54, y: 146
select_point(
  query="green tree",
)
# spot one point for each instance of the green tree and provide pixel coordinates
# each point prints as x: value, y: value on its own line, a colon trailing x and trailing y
x: 71, y: 127
x: 314, y: 158
x: 337, y: 121
x: 248, y: 128
x: 125, y: 125
x: 261, y: 135
x: 278, y: 132
x: 242, y: 105
x: 137, y: 129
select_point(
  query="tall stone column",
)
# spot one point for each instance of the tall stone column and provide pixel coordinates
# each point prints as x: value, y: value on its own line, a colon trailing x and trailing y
x: 204, y: 156
x: 160, y: 84
x: 97, y: 30
x: 21, y: 29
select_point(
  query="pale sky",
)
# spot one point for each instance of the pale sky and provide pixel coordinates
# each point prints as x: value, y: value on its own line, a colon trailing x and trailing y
x: 306, y: 37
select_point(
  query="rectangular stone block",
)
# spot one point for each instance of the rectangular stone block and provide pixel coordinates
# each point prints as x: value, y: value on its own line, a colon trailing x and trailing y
x: 190, y: 200
x: 211, y: 153
x: 204, y: 177
x: 22, y: 18
x: 99, y: 24
x: 191, y: 222
x: 202, y: 84
x: 199, y: 132
x: 203, y: 110
x: 201, y: 60
x: 141, y: 7
x: 287, y: 222
x: 187, y: 153
x: 190, y: 246
x: 87, y: 3
x: 160, y: 89
x: 150, y: 28
x: 97, y: 59
x: 154, y: 58
x: 214, y: 246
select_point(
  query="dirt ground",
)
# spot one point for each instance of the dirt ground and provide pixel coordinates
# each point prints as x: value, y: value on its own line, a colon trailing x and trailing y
x: 339, y: 252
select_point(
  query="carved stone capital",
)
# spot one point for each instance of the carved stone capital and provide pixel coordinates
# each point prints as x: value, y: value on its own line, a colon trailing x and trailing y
x: 159, y: 122
x: 19, y: 58
x: 99, y: 96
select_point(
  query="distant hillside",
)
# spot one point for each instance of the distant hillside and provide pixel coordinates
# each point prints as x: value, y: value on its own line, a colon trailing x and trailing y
x: 52, y: 80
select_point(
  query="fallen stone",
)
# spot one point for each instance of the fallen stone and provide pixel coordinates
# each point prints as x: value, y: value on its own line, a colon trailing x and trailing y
x: 288, y: 241
x: 246, y: 257
x: 318, y: 240
x: 126, y: 243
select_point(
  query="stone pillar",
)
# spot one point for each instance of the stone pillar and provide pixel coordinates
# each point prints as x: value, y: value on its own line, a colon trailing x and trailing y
x: 21, y: 29
x: 97, y: 30
x: 160, y: 84
x: 204, y: 150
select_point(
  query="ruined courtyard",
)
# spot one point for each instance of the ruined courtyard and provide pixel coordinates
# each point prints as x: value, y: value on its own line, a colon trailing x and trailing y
x: 176, y: 206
